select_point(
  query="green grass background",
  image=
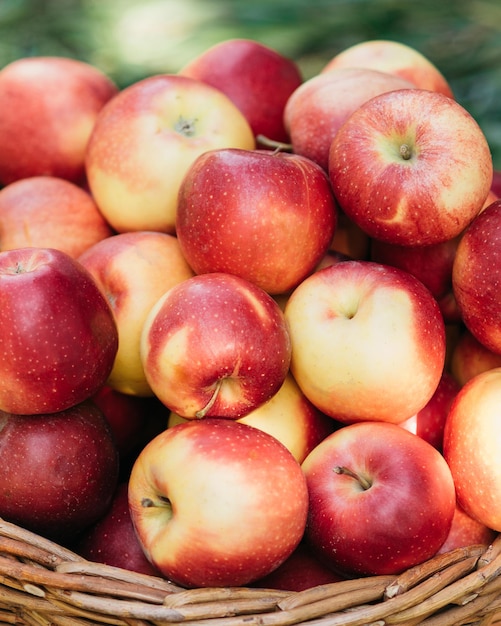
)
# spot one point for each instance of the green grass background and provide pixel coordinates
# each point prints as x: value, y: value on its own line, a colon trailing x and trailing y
x: 131, y: 39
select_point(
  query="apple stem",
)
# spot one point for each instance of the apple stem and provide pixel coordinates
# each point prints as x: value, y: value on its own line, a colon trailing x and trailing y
x: 341, y: 469
x: 278, y: 146
x: 405, y: 151
x: 203, y: 411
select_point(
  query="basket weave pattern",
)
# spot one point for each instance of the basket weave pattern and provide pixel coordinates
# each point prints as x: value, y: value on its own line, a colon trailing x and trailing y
x: 45, y: 584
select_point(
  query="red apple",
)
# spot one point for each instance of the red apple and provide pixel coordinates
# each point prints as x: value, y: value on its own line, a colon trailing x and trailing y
x: 496, y: 183
x: 395, y: 58
x: 257, y: 78
x: 59, y: 470
x: 466, y: 531
x: 215, y: 503
x: 381, y: 499
x: 50, y: 212
x: 368, y: 341
x: 319, y: 106
x: 48, y: 107
x: 215, y: 345
x: 144, y: 141
x: 58, y: 335
x: 469, y: 357
x: 245, y: 211
x: 411, y: 167
x: 472, y: 440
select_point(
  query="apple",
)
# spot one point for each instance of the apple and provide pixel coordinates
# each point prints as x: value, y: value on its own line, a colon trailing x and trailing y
x: 257, y: 78
x: 59, y: 470
x: 48, y: 107
x: 112, y: 539
x: 215, y: 345
x: 58, y: 335
x: 319, y: 106
x: 144, y: 141
x: 217, y: 503
x: 411, y: 167
x: 496, y: 183
x: 133, y: 270
x: 475, y: 277
x: 469, y: 357
x: 381, y: 499
x: 472, y: 439
x: 393, y: 57
x: 245, y: 211
x: 50, y: 212
x: 368, y: 341
x: 350, y: 239
x: 466, y: 531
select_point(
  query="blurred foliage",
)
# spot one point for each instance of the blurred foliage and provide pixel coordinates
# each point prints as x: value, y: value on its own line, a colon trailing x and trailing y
x: 131, y: 39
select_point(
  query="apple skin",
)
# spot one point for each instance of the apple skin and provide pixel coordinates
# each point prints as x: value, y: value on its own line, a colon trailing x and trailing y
x: 261, y: 204
x: 59, y: 470
x: 475, y: 277
x: 394, y: 58
x: 368, y: 341
x: 256, y: 78
x: 215, y: 503
x: 472, y: 438
x: 319, y: 106
x: 393, y: 513
x: 144, y: 141
x: 469, y: 357
x: 496, y: 183
x: 50, y: 212
x: 133, y: 270
x: 215, y: 345
x: 411, y: 167
x: 48, y: 109
x: 59, y: 337
x: 466, y: 531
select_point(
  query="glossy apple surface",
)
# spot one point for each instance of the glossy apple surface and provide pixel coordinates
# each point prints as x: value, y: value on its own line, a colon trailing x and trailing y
x: 267, y: 217
x: 466, y: 531
x: 381, y: 499
x: 469, y: 357
x: 411, y: 167
x: 215, y: 502
x: 59, y: 338
x: 143, y: 143
x: 368, y: 341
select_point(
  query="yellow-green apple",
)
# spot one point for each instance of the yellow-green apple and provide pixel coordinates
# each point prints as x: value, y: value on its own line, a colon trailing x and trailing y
x: 472, y: 439
x: 475, y: 277
x: 469, y: 357
x: 215, y: 345
x: 59, y: 470
x: 381, y: 499
x: 50, y: 212
x: 429, y: 422
x: 58, y: 335
x: 368, y: 341
x: 215, y: 502
x: 411, y: 167
x: 256, y: 77
x: 244, y: 212
x: 144, y: 141
x: 318, y: 107
x: 290, y: 417
x: 48, y: 107
x: 133, y: 270
x: 395, y: 58
x: 466, y: 531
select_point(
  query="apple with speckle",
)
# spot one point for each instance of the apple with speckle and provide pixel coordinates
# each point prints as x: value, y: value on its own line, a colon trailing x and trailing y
x: 470, y: 357
x: 466, y: 531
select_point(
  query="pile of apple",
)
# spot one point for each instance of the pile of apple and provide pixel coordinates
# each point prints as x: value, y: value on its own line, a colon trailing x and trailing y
x: 250, y: 324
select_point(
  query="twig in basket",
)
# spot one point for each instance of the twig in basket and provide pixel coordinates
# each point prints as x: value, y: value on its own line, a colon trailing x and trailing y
x: 223, y: 594
x: 491, y: 552
x: 8, y: 529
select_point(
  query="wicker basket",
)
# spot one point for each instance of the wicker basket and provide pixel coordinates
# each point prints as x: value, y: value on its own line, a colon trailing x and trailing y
x: 45, y: 584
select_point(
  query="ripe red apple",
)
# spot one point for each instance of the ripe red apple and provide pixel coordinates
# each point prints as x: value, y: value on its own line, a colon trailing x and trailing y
x: 411, y: 167
x: 267, y: 217
x: 469, y: 357
x: 48, y: 107
x: 215, y: 502
x: 215, y: 345
x: 496, y: 183
x: 472, y: 439
x: 257, y: 78
x: 476, y: 273
x: 395, y: 58
x: 59, y: 470
x: 58, y: 335
x: 466, y: 531
x: 317, y: 108
x: 368, y: 341
x: 50, y: 212
x: 381, y: 499
x: 144, y: 141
